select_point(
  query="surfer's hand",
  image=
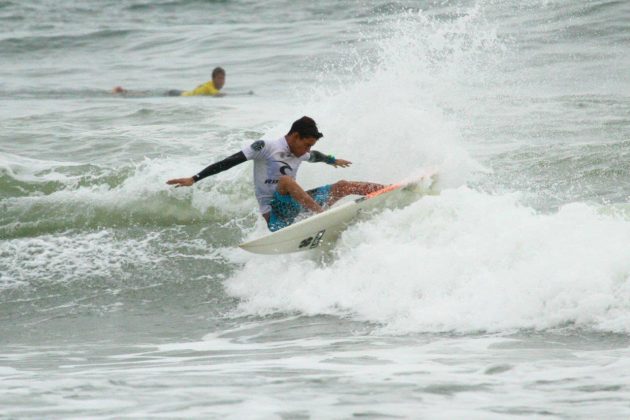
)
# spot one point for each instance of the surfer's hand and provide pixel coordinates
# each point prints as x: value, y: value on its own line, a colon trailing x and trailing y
x: 181, y: 182
x: 341, y: 163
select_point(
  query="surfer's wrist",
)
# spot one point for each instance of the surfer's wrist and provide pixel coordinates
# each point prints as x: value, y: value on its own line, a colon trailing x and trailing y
x: 330, y: 159
x: 195, y: 178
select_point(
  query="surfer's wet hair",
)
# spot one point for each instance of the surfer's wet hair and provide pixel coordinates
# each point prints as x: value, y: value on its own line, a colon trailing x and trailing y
x: 306, y: 127
x: 217, y: 71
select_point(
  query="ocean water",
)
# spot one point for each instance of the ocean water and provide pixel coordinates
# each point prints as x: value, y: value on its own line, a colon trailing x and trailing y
x: 507, y: 295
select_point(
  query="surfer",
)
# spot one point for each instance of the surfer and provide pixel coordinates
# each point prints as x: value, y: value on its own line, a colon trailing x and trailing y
x: 276, y: 162
x: 210, y: 88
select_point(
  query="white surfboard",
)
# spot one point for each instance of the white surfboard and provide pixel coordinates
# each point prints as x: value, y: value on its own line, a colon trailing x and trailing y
x: 325, y: 227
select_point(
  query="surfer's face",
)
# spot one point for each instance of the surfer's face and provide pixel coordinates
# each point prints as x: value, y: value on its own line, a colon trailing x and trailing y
x: 218, y: 81
x: 300, y: 145
x: 303, y: 145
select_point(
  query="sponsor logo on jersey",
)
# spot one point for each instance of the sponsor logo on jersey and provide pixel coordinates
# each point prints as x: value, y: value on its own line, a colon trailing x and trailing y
x: 258, y: 145
x: 284, y: 168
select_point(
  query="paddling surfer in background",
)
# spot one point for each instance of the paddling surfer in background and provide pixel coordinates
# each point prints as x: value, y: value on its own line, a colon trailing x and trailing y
x: 210, y: 88
x: 276, y: 162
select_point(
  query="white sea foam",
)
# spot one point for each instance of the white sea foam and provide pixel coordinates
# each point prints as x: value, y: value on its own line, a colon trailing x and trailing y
x: 462, y: 261
x: 70, y: 258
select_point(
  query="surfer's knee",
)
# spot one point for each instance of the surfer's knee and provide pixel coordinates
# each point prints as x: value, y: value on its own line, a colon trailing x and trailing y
x: 285, y: 180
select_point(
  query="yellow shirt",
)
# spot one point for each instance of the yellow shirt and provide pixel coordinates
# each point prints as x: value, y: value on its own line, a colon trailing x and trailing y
x: 204, y: 89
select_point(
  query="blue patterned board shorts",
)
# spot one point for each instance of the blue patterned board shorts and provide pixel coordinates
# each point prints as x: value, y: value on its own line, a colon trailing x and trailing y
x: 284, y: 208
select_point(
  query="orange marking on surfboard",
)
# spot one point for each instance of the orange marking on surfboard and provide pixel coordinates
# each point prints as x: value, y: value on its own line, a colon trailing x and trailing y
x: 384, y: 190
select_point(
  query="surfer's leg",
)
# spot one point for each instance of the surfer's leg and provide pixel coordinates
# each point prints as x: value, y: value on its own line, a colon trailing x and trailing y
x: 284, y: 210
x: 287, y: 185
x: 174, y: 92
x: 321, y: 194
x: 341, y: 189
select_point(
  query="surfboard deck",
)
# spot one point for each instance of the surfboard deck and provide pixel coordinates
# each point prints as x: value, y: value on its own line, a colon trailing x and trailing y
x: 325, y: 227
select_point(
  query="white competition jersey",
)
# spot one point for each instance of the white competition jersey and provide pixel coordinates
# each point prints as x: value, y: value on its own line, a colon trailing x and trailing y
x: 272, y: 159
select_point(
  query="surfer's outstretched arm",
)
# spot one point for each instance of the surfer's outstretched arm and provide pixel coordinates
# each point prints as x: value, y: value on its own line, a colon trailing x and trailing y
x: 213, y: 169
x: 329, y: 159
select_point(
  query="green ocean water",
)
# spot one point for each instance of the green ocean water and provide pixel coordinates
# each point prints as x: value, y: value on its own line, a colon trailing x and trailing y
x: 505, y: 296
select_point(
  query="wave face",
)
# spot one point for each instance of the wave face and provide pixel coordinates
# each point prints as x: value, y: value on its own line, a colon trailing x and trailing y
x: 463, y: 87
x: 460, y: 87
